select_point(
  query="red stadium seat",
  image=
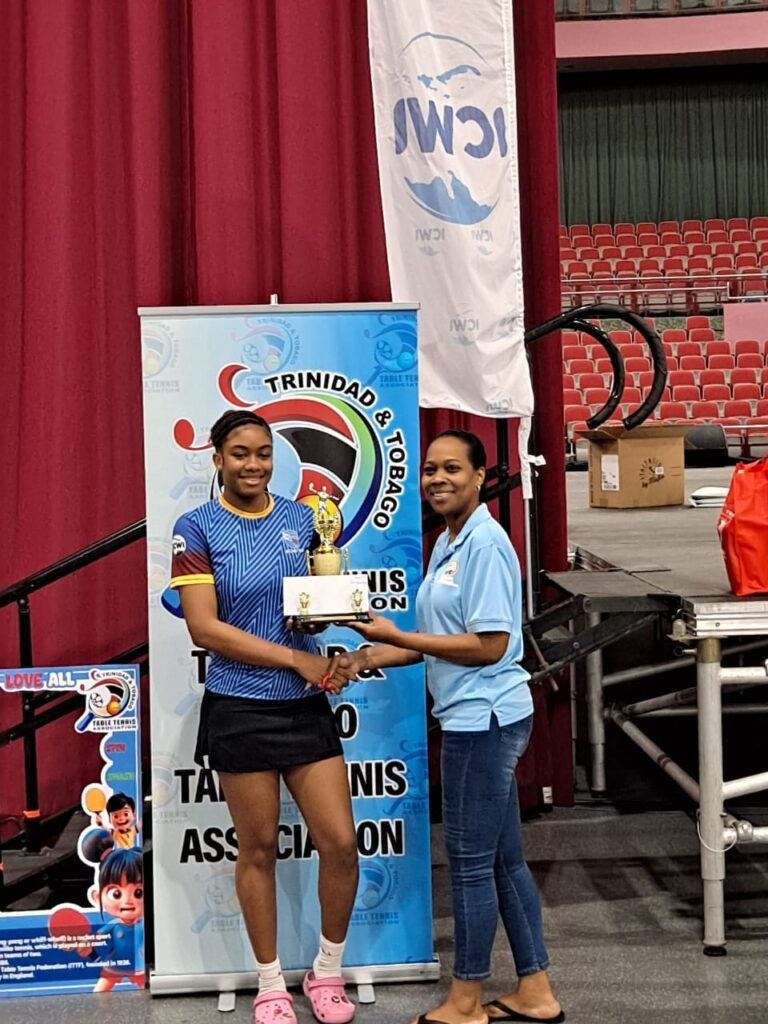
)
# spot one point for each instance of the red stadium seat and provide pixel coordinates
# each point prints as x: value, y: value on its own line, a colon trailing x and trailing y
x: 691, y: 322
x: 568, y: 380
x: 572, y: 415
x: 695, y: 363
x: 745, y: 375
x: 596, y: 397
x: 701, y: 334
x: 610, y: 252
x: 704, y: 411
x: 678, y: 250
x: 714, y: 224
x: 587, y: 252
x: 670, y: 238
x: 740, y: 235
x: 691, y: 225
x: 710, y: 376
x: 762, y: 409
x: 580, y: 229
x: 694, y: 237
x: 678, y: 377
x: 602, y: 229
x: 646, y: 238
x: 738, y: 409
x: 590, y: 380
x: 758, y: 222
x: 686, y: 393
x: 688, y: 348
x: 571, y: 396
x: 572, y: 353
x: 737, y: 224
x: 723, y: 362
x: 749, y: 361
x: 646, y: 226
x: 748, y: 248
x: 579, y: 366
x: 716, y: 393
x: 717, y: 348
x: 672, y: 411
x: 621, y: 338
x: 747, y: 392
x: 746, y: 346
x: 570, y: 338
x: 668, y: 225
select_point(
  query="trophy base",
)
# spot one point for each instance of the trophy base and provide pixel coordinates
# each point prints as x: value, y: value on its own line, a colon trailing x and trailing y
x: 324, y: 599
x: 336, y: 619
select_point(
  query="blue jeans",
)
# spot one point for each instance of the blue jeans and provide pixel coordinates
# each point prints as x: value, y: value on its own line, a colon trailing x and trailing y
x: 483, y: 838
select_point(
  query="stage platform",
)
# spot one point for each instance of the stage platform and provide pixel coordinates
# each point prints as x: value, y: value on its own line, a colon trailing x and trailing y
x: 665, y: 565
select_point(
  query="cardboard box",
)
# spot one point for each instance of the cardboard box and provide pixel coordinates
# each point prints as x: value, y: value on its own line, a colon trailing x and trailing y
x: 639, y: 468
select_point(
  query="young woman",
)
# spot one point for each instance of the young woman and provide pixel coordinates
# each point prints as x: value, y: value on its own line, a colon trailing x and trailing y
x: 261, y: 717
x: 468, y: 613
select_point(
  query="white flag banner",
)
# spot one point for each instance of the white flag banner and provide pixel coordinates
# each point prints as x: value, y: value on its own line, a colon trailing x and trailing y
x: 444, y: 99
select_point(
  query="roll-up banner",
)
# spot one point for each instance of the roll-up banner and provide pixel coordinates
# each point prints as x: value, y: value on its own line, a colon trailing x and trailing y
x: 444, y: 98
x: 338, y: 386
x: 83, y: 930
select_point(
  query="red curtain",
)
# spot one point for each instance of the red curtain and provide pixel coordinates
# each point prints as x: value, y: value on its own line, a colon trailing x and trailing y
x: 180, y: 153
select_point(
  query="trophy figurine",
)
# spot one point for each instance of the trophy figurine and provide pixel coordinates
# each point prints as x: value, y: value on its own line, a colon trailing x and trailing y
x: 330, y: 592
x: 326, y: 559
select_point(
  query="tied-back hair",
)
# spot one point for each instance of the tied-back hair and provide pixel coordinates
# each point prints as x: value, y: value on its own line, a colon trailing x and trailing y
x: 231, y: 420
x: 475, y: 447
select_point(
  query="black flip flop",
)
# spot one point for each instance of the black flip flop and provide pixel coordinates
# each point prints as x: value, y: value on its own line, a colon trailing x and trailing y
x: 424, y: 1019
x: 521, y: 1018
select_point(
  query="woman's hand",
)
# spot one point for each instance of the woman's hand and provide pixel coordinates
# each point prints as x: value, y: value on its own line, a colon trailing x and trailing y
x: 379, y: 630
x: 312, y: 667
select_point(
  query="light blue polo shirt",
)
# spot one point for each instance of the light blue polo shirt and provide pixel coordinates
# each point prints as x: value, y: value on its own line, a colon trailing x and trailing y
x: 473, y: 586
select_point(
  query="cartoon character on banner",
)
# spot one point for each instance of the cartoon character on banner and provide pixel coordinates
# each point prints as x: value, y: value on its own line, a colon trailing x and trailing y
x: 117, y: 942
x: 115, y: 815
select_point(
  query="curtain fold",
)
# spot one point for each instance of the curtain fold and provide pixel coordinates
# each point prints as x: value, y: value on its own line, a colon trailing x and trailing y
x: 177, y: 153
x: 664, y: 145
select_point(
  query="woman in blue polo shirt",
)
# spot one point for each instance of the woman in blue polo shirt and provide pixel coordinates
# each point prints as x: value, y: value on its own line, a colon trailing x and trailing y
x: 468, y: 613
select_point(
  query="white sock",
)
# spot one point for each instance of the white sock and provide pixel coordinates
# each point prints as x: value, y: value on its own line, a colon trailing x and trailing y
x: 270, y: 977
x: 328, y: 960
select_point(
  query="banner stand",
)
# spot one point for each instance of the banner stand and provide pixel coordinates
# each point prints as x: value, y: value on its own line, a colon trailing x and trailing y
x: 339, y: 387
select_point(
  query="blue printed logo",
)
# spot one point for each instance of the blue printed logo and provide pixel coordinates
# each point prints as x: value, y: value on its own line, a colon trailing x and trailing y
x: 450, y: 84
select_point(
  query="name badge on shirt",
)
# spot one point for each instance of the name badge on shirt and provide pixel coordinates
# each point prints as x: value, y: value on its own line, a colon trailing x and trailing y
x: 291, y: 545
x: 448, y: 574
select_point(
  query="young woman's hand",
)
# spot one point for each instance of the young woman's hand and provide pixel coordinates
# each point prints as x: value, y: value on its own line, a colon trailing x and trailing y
x: 312, y: 667
x: 379, y: 630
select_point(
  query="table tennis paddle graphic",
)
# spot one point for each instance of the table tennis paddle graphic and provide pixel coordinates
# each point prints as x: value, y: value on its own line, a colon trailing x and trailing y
x: 68, y: 928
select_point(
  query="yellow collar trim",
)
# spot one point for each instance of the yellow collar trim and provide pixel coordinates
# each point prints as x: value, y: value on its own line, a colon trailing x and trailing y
x: 247, y: 515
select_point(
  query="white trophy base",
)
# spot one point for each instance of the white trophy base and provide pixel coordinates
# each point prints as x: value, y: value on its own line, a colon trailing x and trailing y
x: 341, y: 598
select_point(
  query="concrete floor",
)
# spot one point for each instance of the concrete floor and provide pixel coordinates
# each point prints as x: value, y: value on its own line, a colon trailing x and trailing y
x: 677, y: 545
x: 622, y: 914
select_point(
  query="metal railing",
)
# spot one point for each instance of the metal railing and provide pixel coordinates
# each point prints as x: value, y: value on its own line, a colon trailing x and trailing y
x: 568, y: 10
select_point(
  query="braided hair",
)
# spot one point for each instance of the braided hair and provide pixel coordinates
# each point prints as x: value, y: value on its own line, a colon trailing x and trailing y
x: 231, y: 420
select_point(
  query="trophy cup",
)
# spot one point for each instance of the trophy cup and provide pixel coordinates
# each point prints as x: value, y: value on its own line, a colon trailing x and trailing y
x: 330, y: 592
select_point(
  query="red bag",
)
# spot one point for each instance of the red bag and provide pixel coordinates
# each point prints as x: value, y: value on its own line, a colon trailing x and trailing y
x: 743, y: 529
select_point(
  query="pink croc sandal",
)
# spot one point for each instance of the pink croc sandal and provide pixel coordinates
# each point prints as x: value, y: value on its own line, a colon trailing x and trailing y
x: 274, y: 1008
x: 328, y: 998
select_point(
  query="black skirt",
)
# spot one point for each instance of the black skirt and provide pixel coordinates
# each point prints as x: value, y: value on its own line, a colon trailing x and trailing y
x: 238, y: 734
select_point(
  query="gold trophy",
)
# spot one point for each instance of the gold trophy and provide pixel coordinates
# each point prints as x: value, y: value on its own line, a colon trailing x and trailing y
x: 326, y: 559
x: 330, y: 592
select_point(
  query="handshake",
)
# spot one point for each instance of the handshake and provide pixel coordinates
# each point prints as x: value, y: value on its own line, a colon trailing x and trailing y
x: 331, y: 674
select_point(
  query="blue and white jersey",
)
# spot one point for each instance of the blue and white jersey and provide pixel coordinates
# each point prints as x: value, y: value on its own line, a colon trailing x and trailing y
x: 245, y: 555
x: 473, y: 585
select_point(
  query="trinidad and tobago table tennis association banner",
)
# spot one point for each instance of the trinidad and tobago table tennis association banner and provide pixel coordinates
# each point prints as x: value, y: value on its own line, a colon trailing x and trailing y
x: 88, y: 935
x: 338, y: 386
x: 444, y: 98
